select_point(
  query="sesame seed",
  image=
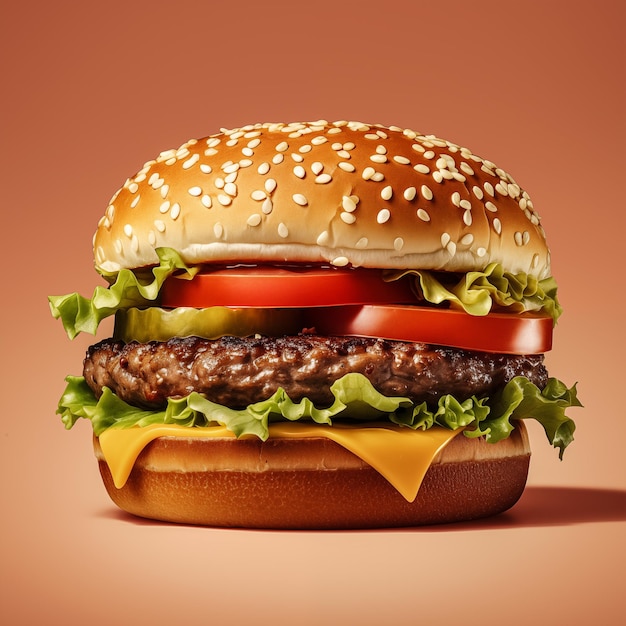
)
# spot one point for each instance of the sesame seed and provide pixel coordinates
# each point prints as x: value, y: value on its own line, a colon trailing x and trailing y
x: 175, y: 211
x: 344, y: 154
x: 258, y: 194
x: 362, y: 243
x: 128, y: 230
x: 378, y: 158
x: 383, y: 216
x: 135, y: 202
x: 164, y: 191
x: 340, y: 261
x: 334, y: 131
x: 372, y: 136
x: 497, y: 226
x: 317, y: 167
x: 386, y: 193
x: 210, y: 152
x: 438, y: 176
x: 426, y: 192
x: 192, y: 160
x: 133, y: 187
x: 230, y: 189
x: 277, y: 158
x: 348, y: 218
x: 298, y: 158
x: 445, y: 239
x: 299, y: 171
x: 206, y: 201
x: 322, y: 179
x: 267, y: 206
x: 429, y: 154
x: 377, y: 177
x: 219, y: 182
x: 195, y: 191
x: 318, y: 141
x: 451, y: 248
x: 253, y: 143
x: 349, y: 145
x: 481, y: 252
x: 421, y: 168
x: 117, y: 244
x: 245, y: 162
x: 398, y: 244
x: 502, y: 190
x: 230, y: 168
x: 270, y: 185
x: 223, y: 199
x: 218, y: 230
x: 282, y: 146
x: 205, y: 169
x: 300, y: 199
x: 231, y: 178
x: 465, y: 204
x: 348, y: 203
x: 489, y: 189
x: 423, y: 215
x: 368, y: 172
x: 410, y: 193
x: 467, y: 217
x: 337, y: 146
x: 380, y: 149
x: 263, y: 169
x: 165, y: 207
x: 490, y: 206
x: 478, y: 192
x: 402, y: 160
x: 283, y: 231
x: 346, y: 167
x: 254, y: 220
x: 323, y: 238
x: 159, y: 225
x: 466, y: 168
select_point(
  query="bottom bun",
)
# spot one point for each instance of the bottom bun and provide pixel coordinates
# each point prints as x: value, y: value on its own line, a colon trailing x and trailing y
x: 314, y: 484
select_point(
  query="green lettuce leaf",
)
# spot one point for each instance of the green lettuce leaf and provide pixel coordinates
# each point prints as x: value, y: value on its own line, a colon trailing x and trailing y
x: 127, y: 289
x: 478, y: 293
x: 355, y: 399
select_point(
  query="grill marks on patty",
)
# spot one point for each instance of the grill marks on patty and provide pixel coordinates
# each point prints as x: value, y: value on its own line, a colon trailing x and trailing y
x: 239, y: 371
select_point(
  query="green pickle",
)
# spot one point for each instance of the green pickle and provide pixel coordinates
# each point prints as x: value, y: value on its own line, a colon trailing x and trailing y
x: 158, y: 324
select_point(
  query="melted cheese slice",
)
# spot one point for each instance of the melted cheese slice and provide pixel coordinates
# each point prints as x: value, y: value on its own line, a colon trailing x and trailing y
x: 401, y: 455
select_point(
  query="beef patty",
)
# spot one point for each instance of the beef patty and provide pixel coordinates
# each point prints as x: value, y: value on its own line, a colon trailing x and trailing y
x: 236, y: 371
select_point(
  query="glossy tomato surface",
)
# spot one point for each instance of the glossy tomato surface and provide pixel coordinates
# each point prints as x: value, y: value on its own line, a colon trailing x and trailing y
x: 277, y: 287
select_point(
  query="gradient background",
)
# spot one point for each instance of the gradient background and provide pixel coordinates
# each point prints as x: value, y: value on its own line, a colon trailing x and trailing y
x: 93, y: 90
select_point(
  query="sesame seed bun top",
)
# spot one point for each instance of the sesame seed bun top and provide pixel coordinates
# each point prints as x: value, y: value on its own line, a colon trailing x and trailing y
x: 344, y: 193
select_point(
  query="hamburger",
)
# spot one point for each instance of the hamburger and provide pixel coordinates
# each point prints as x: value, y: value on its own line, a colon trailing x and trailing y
x: 318, y: 325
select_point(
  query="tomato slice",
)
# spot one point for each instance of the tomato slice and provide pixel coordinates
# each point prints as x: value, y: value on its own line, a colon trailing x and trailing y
x: 497, y: 332
x: 277, y: 287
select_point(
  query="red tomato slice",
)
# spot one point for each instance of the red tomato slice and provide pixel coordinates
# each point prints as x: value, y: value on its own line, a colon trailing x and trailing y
x: 274, y: 287
x: 497, y: 332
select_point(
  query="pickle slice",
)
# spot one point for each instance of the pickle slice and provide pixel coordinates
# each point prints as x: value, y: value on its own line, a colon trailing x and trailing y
x: 158, y: 324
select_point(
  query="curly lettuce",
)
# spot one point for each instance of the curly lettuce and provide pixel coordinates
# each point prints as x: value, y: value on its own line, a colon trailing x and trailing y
x: 355, y: 399
x: 127, y: 289
x: 479, y: 292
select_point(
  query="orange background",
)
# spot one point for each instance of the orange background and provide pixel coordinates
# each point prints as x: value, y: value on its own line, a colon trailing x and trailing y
x: 91, y: 91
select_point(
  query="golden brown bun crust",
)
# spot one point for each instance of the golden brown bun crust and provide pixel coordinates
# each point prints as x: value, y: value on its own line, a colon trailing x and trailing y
x: 314, y: 483
x: 343, y: 193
